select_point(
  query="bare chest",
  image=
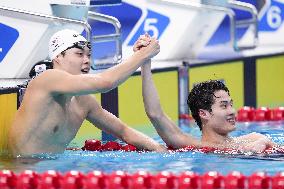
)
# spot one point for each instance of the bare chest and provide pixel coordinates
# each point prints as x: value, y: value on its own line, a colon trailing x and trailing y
x: 69, y: 116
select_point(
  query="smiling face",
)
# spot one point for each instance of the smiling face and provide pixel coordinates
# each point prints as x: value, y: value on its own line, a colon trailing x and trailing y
x: 222, y: 118
x: 74, y: 61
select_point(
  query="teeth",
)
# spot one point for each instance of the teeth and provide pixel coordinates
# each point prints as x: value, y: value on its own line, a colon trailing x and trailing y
x: 231, y: 120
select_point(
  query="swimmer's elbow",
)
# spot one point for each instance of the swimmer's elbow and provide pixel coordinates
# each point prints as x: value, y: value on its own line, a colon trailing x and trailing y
x: 154, y: 114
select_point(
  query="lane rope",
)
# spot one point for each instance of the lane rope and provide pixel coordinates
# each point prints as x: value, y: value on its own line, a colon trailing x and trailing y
x: 139, y: 180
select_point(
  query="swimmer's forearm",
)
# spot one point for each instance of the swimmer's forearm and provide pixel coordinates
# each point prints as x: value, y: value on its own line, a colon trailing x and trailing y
x: 111, y: 124
x: 150, y: 95
x: 154, y: 111
x: 164, y: 126
x: 152, y: 105
x: 119, y: 73
x: 142, y: 141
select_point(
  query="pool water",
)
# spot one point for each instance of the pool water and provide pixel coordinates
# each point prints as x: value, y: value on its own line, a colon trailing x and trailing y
x: 154, y: 162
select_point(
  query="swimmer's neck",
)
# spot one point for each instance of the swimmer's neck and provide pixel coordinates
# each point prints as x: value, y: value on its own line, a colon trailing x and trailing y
x: 210, y: 137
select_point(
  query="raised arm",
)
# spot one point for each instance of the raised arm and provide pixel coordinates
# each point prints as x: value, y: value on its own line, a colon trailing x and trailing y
x: 57, y: 81
x: 111, y: 124
x: 165, y: 127
x: 121, y: 72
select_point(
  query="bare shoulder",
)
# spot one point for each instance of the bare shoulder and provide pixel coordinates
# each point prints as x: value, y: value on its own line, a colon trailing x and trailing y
x: 50, y: 75
x: 49, y: 80
x: 251, y: 137
x: 46, y: 77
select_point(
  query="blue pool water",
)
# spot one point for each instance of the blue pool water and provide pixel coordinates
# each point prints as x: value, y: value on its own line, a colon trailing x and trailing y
x: 153, y: 162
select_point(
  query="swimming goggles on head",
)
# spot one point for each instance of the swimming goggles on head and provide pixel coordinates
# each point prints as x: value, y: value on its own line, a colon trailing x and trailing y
x: 81, y: 45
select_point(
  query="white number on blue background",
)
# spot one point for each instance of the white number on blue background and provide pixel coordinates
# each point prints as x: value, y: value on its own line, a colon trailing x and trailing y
x: 274, y: 19
x: 149, y: 26
x: 154, y: 24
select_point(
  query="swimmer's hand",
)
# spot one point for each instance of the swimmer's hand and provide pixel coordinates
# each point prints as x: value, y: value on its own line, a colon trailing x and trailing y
x: 147, y: 46
x: 258, y: 146
x: 161, y: 148
x: 143, y: 41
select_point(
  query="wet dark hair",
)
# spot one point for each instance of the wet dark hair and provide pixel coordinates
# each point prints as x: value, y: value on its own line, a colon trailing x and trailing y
x: 48, y: 63
x: 202, y: 97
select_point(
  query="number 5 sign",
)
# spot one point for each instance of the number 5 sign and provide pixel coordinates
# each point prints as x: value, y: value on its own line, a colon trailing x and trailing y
x: 150, y: 26
x: 154, y: 24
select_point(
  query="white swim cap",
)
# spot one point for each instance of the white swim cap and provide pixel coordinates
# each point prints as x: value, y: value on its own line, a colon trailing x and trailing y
x: 62, y: 40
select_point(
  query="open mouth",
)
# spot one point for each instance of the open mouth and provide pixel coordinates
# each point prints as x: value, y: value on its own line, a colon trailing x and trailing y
x: 232, y: 120
x: 85, y: 70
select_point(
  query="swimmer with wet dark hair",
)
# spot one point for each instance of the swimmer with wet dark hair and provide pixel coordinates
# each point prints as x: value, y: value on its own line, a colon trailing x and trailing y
x: 58, y: 100
x: 211, y: 107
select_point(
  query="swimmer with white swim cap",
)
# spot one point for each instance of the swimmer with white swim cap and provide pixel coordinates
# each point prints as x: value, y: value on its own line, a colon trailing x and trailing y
x: 58, y: 100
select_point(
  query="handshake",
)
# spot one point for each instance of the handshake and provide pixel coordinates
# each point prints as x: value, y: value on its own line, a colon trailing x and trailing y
x: 147, y: 44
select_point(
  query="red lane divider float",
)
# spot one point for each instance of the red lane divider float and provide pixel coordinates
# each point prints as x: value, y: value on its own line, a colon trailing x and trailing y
x: 185, y: 117
x: 96, y: 145
x: 139, y: 180
x: 249, y: 114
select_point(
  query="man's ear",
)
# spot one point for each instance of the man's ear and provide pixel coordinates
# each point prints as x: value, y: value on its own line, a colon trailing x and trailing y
x: 56, y: 60
x: 204, y: 114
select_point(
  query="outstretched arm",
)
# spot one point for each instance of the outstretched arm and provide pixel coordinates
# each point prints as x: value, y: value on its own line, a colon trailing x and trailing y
x: 165, y: 127
x: 112, y: 125
x: 60, y: 82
